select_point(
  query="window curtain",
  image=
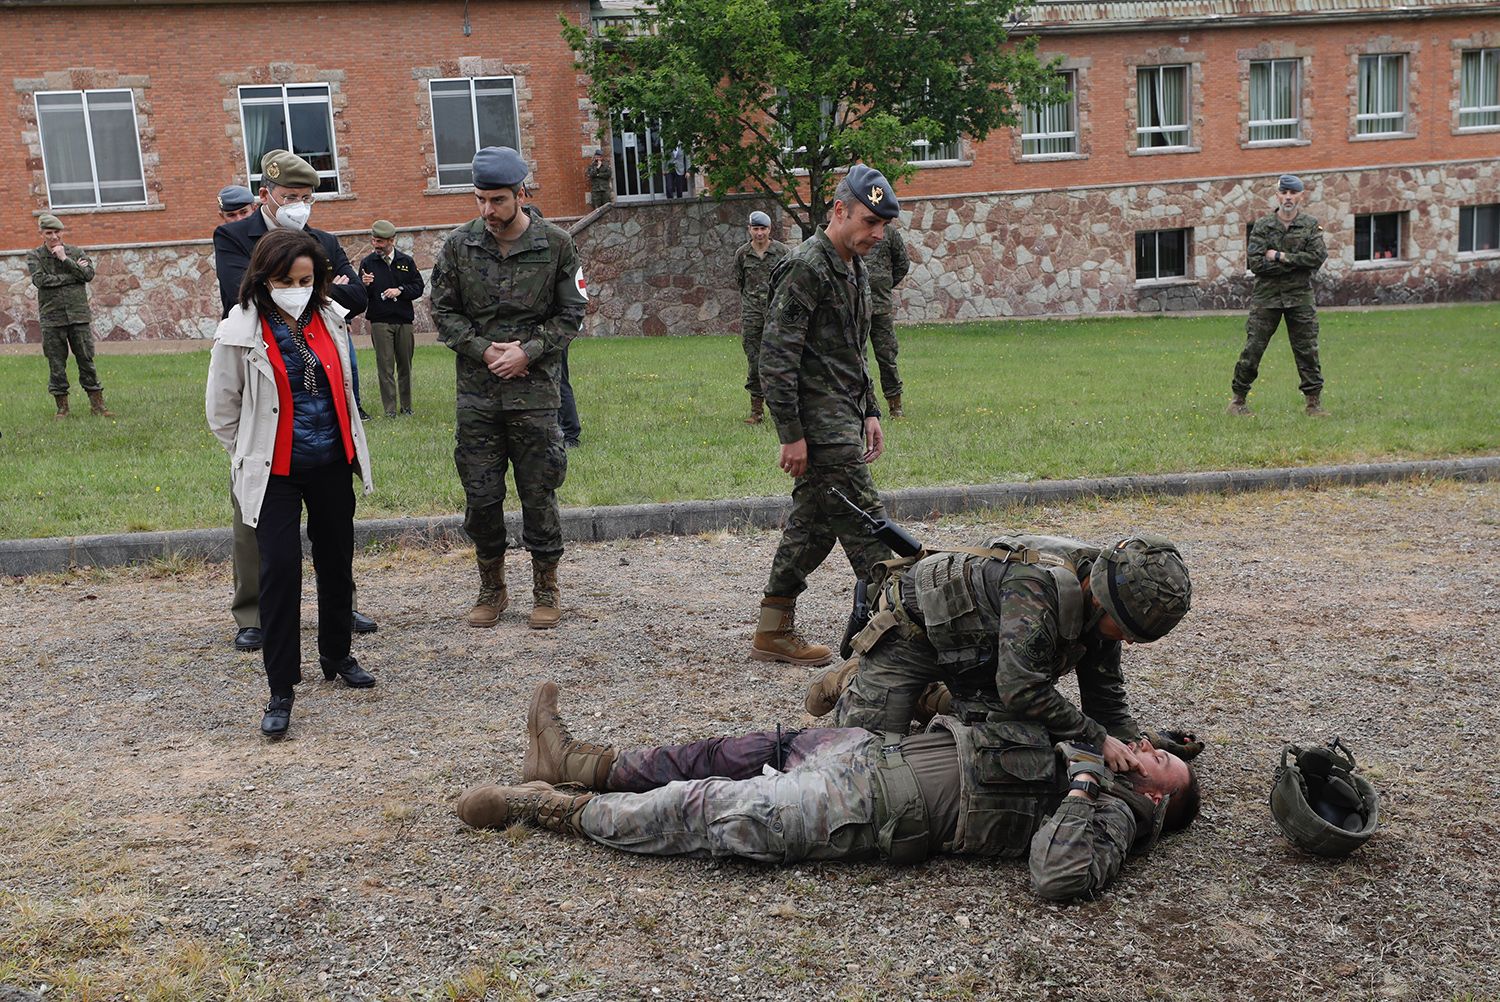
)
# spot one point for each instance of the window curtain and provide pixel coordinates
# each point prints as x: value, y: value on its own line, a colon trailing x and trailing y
x: 261, y: 120
x: 1369, y: 94
x: 65, y: 147
x: 1479, y: 104
x: 1390, y: 93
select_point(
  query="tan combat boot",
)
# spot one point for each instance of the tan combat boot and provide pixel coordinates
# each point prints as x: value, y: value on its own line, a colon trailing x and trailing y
x: 935, y: 699
x: 552, y: 755
x: 827, y: 686
x: 96, y: 404
x: 776, y: 636
x: 493, y: 598
x: 1237, y: 406
x: 757, y: 411
x: 546, y: 609
x: 533, y: 803
x: 893, y: 407
x: 62, y: 404
x: 1315, y: 405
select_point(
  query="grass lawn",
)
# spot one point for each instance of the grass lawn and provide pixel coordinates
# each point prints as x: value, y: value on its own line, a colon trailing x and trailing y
x: 994, y: 401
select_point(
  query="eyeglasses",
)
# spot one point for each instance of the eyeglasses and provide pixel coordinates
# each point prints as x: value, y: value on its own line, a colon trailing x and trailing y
x: 307, y: 199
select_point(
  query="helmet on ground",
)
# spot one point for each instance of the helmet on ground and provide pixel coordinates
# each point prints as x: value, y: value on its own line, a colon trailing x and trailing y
x: 1143, y: 584
x: 1319, y: 802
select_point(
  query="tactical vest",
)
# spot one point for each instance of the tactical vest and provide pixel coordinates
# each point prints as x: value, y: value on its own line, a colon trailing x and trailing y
x: 1007, y: 785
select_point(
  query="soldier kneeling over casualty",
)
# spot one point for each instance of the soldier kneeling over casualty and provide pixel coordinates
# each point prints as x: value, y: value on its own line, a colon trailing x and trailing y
x: 993, y: 789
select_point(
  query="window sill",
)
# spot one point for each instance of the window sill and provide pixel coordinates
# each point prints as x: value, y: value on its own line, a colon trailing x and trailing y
x: 1043, y: 158
x: 1376, y: 137
x: 1474, y: 130
x: 1158, y: 283
x: 1479, y: 255
x: 450, y: 191
x: 925, y: 164
x: 1382, y: 264
x: 1267, y: 144
x: 1160, y: 151
x: 94, y: 210
x: 343, y: 196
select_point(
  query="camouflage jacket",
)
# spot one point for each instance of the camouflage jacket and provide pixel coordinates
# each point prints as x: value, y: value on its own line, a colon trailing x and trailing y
x: 534, y: 296
x: 752, y: 276
x: 599, y: 177
x: 62, y: 286
x: 1082, y: 847
x: 886, y: 265
x: 1289, y: 282
x: 812, y: 357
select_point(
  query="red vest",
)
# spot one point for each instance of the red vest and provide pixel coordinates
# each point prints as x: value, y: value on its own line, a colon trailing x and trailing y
x: 322, y: 345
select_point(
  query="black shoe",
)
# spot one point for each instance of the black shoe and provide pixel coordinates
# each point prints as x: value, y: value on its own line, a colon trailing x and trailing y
x: 249, y: 639
x: 364, y: 624
x: 571, y: 443
x: 277, y: 718
x: 349, y: 670
x: 364, y: 415
x: 406, y: 411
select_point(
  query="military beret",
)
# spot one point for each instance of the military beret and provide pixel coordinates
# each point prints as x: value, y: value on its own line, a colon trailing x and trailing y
x: 873, y: 191
x: 233, y: 197
x: 498, y: 167
x: 288, y: 170
x: 47, y: 221
x: 598, y: 151
x: 383, y: 228
x: 1290, y: 182
x: 758, y: 218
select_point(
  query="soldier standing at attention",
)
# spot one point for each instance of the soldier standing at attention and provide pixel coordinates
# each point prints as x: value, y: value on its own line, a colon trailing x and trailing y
x: 812, y: 368
x: 507, y: 297
x: 752, y: 273
x: 61, y: 274
x: 886, y: 265
x: 1286, y: 250
x: 393, y: 282
x: 599, y: 177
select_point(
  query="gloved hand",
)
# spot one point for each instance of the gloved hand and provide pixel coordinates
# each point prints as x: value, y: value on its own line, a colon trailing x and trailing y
x: 1184, y: 744
x: 1083, y: 757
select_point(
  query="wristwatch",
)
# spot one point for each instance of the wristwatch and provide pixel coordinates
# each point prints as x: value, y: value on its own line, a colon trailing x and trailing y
x: 1087, y: 784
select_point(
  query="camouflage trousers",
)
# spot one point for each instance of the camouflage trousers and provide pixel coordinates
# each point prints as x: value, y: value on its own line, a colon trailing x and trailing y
x: 55, y: 344
x: 1301, y: 330
x: 530, y: 442
x: 822, y: 807
x: 883, y: 694
x: 818, y: 520
x: 752, y: 326
x: 883, y: 340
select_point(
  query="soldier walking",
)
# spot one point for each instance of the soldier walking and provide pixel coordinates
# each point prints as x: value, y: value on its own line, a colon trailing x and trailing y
x: 61, y: 274
x: 508, y: 297
x: 886, y: 265
x: 812, y: 368
x: 1286, y: 251
x: 753, y: 263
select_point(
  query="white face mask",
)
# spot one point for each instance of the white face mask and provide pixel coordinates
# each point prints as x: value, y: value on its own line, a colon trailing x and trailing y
x: 292, y: 301
x: 294, y: 215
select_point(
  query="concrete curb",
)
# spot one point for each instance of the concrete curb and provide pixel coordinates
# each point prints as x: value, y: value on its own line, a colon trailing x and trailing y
x: 685, y: 518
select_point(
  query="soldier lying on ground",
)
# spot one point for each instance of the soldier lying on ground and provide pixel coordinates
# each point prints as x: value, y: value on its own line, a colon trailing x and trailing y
x: 992, y: 789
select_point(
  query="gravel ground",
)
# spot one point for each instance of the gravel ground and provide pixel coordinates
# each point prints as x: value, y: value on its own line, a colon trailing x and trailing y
x: 144, y: 825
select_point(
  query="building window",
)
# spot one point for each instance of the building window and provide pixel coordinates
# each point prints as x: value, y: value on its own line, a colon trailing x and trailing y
x: 1478, y: 228
x: 91, y: 151
x: 1161, y: 254
x: 924, y: 152
x: 1162, y: 100
x: 295, y: 117
x: 1382, y: 95
x: 1377, y: 236
x: 1052, y: 129
x: 468, y: 115
x: 1479, y: 89
x: 1275, y: 96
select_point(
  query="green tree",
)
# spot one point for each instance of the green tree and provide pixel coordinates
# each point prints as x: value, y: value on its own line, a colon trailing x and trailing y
x: 780, y: 95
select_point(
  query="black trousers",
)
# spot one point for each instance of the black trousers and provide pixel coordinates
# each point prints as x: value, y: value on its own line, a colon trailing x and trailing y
x: 328, y: 492
x: 567, y: 414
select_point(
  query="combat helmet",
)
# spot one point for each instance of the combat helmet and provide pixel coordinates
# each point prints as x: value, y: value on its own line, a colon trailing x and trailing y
x: 1319, y: 802
x: 1143, y: 584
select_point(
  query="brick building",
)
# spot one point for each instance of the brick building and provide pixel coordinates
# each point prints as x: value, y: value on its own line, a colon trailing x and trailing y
x: 1133, y: 195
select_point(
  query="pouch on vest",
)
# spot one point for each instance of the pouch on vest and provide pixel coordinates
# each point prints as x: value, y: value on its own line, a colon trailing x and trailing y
x: 1011, y: 773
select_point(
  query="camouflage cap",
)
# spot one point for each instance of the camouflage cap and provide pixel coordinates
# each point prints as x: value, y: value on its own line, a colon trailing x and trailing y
x: 758, y: 218
x: 288, y: 170
x: 47, y: 221
x: 1289, y: 182
x: 498, y: 167
x: 383, y: 228
x: 1143, y: 584
x: 234, y: 196
x: 873, y: 191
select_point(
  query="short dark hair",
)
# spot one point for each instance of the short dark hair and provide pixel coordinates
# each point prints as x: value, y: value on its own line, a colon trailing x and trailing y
x: 1182, y: 809
x: 272, y: 258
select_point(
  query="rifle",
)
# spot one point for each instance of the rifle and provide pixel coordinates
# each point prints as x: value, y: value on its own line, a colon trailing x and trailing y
x: 901, y: 542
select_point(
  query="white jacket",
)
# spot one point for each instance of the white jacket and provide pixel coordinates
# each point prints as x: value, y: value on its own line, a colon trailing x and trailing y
x: 241, y: 403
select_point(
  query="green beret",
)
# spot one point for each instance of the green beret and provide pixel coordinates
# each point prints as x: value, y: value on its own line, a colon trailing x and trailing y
x: 873, y: 191
x: 288, y: 170
x: 47, y: 221
x: 383, y: 228
x: 498, y: 167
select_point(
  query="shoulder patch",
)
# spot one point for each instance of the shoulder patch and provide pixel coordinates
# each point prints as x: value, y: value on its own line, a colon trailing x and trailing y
x: 1037, y: 647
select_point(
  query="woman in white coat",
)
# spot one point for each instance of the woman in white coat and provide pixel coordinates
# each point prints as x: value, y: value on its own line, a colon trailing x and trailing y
x: 280, y: 398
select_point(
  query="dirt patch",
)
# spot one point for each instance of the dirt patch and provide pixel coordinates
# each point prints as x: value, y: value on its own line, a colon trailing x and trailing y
x: 333, y: 861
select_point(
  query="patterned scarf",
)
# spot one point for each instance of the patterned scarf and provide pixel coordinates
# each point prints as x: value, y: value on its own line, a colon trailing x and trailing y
x: 310, y: 361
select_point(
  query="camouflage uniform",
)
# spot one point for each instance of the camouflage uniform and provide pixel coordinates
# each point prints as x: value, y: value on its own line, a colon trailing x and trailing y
x: 599, y: 179
x: 532, y: 296
x: 1283, y: 288
x: 812, y: 368
x: 999, y: 634
x: 886, y: 265
x: 752, y: 275
x: 63, y: 307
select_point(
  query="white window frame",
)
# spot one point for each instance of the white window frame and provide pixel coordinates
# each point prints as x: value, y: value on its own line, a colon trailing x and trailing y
x: 88, y: 130
x: 1370, y: 251
x: 923, y: 149
x: 1475, y: 209
x: 1187, y: 256
x: 1186, y: 128
x: 1399, y: 116
x: 1070, y: 77
x: 1485, y: 56
x: 1295, y: 121
x: 515, y: 109
x: 253, y: 175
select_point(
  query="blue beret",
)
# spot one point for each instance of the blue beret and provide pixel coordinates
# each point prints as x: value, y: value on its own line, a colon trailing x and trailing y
x: 498, y: 167
x: 758, y: 218
x: 873, y: 191
x: 1290, y: 182
x: 233, y: 197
